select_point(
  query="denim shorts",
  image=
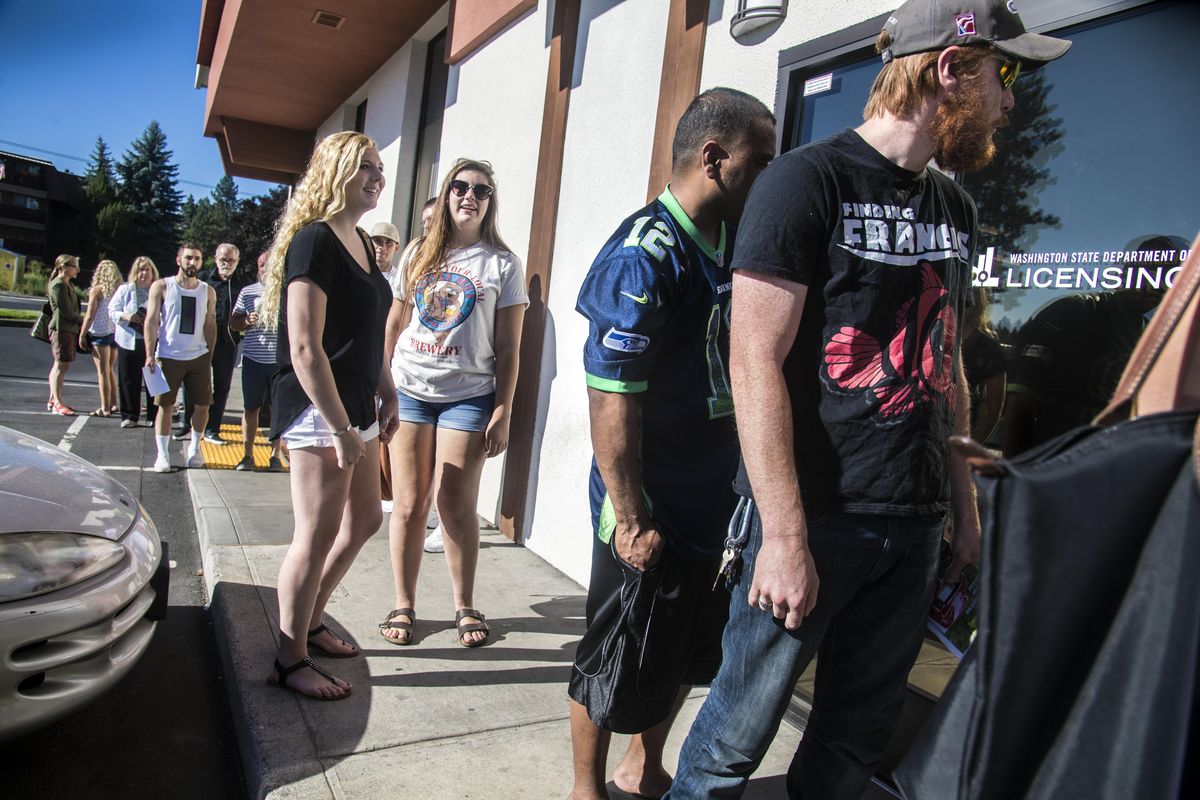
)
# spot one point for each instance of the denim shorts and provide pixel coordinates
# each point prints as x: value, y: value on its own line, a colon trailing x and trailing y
x: 472, y: 414
x: 108, y: 340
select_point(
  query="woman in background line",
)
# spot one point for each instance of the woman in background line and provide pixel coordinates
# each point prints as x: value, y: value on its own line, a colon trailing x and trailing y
x: 127, y: 310
x: 333, y: 400
x: 65, y: 322
x: 97, y: 334
x: 454, y: 333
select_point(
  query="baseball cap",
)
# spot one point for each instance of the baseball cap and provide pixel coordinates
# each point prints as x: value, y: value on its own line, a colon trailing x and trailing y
x: 921, y: 26
x: 387, y: 230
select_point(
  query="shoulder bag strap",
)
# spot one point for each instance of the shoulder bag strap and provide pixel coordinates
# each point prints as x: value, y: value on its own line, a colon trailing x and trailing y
x: 1163, y: 373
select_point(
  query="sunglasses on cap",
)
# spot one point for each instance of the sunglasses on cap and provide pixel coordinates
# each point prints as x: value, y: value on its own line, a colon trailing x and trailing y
x: 1009, y: 70
x: 481, y: 190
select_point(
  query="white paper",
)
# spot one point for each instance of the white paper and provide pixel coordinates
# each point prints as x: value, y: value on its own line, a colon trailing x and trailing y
x: 156, y: 382
x: 822, y: 83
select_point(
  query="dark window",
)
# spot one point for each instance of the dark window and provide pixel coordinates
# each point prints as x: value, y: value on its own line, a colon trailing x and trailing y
x: 433, y: 106
x: 360, y: 117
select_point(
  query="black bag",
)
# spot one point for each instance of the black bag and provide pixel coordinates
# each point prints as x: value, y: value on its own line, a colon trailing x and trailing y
x: 1082, y: 681
x: 41, y: 327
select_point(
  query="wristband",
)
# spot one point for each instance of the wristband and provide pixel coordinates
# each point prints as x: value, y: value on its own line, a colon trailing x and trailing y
x: 343, y: 430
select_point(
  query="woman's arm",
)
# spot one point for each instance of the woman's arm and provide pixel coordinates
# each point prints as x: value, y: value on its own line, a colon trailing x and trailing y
x: 94, y: 298
x: 993, y: 406
x: 117, y: 304
x: 306, y: 325
x: 508, y: 351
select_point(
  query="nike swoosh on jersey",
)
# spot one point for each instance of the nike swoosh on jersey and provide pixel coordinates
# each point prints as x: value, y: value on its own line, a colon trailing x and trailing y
x: 645, y: 298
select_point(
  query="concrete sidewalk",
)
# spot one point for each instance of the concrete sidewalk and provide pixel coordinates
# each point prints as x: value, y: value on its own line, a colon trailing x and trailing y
x: 433, y: 720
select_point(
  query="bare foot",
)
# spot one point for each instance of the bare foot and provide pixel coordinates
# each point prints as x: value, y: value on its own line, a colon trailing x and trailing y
x: 391, y: 628
x: 310, y: 683
x: 649, y: 782
x: 588, y: 793
x: 471, y: 637
x: 331, y: 644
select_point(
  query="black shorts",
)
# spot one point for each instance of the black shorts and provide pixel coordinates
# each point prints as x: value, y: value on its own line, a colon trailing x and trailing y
x: 256, y: 383
x: 648, y: 634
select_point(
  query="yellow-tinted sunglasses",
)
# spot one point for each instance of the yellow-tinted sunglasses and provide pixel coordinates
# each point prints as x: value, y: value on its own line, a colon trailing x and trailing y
x: 1009, y: 70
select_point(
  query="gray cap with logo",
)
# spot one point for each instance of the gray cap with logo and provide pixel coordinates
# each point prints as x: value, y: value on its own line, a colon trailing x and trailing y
x: 922, y: 26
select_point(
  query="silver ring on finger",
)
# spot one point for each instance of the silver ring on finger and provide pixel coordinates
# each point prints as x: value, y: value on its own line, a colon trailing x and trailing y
x: 764, y: 605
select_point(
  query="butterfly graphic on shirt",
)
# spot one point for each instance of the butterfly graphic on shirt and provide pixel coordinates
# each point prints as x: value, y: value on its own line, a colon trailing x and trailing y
x: 914, y: 366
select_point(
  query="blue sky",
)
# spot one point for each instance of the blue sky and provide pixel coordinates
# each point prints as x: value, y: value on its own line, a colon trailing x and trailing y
x: 73, y: 70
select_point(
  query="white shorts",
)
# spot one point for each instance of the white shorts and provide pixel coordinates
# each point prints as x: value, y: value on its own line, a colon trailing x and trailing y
x: 311, y: 430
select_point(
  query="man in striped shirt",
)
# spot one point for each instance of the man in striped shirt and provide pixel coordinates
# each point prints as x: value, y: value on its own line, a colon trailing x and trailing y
x: 258, y: 367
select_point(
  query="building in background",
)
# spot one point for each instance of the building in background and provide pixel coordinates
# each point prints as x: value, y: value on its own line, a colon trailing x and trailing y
x: 574, y: 103
x: 39, y: 208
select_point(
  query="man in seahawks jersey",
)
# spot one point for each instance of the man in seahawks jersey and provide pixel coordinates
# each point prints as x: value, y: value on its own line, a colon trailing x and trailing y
x: 657, y: 300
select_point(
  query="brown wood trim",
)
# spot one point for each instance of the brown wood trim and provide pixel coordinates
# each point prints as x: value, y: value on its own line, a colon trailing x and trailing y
x: 518, y: 466
x: 683, y: 59
x: 472, y: 23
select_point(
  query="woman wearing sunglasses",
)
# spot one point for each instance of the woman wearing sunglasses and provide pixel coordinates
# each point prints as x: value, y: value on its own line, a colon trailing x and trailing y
x: 454, y: 333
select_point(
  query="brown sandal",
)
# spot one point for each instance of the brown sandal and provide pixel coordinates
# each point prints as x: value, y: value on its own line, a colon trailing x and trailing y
x: 407, y: 627
x: 329, y: 653
x: 463, y: 630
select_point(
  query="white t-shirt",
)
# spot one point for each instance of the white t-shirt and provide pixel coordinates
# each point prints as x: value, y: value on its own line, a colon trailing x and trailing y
x: 446, y: 352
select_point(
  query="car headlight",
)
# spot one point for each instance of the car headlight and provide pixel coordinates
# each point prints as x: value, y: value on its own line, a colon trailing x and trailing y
x: 36, y: 563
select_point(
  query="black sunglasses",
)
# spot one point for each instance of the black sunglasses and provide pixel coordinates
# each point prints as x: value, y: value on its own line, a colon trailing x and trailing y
x: 481, y: 190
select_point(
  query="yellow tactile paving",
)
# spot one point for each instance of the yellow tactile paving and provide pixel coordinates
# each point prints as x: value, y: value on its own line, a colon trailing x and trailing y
x: 227, y: 456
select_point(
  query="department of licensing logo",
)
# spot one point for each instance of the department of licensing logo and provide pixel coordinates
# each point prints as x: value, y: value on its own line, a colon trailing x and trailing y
x: 444, y: 300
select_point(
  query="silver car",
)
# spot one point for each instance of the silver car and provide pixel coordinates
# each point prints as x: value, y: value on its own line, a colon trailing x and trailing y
x: 83, y: 581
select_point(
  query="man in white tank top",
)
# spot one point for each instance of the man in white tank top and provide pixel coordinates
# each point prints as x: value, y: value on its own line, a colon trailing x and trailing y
x: 181, y: 332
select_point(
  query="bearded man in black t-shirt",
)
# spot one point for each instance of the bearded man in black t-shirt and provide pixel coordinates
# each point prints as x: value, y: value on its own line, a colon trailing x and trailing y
x: 850, y: 278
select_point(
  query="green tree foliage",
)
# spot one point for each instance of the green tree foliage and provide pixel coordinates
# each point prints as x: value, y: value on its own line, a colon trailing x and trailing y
x: 206, y: 223
x: 107, y: 221
x: 225, y: 196
x: 148, y: 187
x: 254, y: 223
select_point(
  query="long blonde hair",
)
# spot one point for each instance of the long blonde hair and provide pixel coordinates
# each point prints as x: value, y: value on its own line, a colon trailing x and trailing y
x: 138, y: 262
x: 319, y: 195
x: 431, y: 252
x: 106, y: 277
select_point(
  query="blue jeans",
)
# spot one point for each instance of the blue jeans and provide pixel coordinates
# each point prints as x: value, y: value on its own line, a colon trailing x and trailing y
x: 876, y: 582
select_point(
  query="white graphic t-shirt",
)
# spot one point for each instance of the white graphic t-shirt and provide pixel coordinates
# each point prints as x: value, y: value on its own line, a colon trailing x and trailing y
x: 446, y: 352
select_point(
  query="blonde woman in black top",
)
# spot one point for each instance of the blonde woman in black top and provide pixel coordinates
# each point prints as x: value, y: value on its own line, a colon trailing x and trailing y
x: 333, y: 400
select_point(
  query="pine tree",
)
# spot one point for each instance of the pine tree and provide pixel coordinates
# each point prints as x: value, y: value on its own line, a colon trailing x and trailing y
x: 206, y: 224
x: 108, y: 231
x: 253, y: 227
x: 225, y: 196
x: 148, y: 188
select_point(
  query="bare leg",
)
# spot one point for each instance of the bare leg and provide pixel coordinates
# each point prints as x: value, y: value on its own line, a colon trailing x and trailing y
x: 199, y: 420
x: 110, y: 370
x: 361, y: 518
x: 101, y: 381
x: 411, y: 451
x: 162, y: 418
x: 589, y: 751
x: 319, y: 494
x: 461, y: 456
x: 641, y: 769
x: 250, y: 431
x: 58, y: 372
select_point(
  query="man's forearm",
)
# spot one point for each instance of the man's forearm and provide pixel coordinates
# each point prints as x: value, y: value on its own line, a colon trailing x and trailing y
x: 764, y: 414
x: 614, y: 424
x: 962, y: 488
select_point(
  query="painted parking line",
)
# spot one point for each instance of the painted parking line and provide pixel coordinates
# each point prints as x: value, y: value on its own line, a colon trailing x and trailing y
x: 72, y: 433
x: 15, y: 379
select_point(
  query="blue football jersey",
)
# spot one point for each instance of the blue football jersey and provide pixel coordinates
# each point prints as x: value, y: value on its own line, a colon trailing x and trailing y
x: 657, y: 302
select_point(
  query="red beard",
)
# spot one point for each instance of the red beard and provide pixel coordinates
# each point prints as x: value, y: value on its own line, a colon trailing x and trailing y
x: 962, y: 132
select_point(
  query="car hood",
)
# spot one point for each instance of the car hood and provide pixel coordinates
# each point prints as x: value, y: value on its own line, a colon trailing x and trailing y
x: 43, y: 488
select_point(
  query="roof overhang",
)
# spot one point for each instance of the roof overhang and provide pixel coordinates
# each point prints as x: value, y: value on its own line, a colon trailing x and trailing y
x: 275, y: 75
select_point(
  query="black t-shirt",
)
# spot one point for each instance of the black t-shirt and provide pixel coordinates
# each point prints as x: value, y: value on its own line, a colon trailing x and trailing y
x: 1070, y: 355
x: 885, y: 254
x: 356, y: 310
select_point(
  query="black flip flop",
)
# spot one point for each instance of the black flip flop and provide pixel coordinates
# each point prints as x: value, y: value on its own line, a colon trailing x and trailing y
x: 282, y: 680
